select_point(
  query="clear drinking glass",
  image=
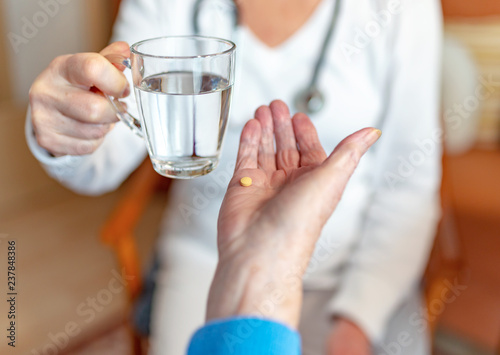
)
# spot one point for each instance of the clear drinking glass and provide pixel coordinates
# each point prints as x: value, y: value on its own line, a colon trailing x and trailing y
x: 183, y: 90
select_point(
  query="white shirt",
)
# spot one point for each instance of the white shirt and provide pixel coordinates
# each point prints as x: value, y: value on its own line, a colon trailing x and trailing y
x: 375, y: 246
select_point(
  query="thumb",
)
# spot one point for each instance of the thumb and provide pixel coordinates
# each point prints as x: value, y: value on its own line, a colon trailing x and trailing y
x: 116, y: 53
x: 335, y: 172
x: 322, y: 188
x: 348, y: 153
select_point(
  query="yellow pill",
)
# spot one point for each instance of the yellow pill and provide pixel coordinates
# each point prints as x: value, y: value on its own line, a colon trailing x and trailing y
x: 246, y: 181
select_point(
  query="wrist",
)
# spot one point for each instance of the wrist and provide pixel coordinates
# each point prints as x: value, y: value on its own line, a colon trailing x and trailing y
x: 260, y: 287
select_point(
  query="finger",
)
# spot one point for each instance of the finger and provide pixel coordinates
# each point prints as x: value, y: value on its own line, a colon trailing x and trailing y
x: 65, y: 126
x: 287, y: 155
x: 91, y: 69
x: 116, y: 53
x: 323, y: 187
x: 340, y: 165
x: 266, y: 159
x: 311, y: 151
x: 249, y: 146
x: 60, y: 145
x: 86, y: 107
x: 348, y: 153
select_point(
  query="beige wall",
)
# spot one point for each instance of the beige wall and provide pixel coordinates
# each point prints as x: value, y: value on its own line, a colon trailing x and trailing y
x: 61, y: 261
x: 5, y: 92
x: 481, y: 38
x: 36, y: 31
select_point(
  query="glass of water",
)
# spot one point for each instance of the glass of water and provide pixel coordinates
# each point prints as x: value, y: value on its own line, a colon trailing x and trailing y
x: 183, y: 91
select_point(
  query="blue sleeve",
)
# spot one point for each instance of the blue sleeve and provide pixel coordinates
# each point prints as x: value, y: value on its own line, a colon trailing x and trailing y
x: 245, y: 336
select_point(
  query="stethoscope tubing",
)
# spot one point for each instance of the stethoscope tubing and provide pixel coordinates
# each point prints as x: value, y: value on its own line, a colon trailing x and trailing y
x: 326, y: 44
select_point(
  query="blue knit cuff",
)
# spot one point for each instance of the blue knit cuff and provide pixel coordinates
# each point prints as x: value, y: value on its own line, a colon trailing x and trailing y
x: 245, y: 336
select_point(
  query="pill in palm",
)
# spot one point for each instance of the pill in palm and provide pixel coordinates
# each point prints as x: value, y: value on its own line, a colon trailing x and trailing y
x: 246, y: 181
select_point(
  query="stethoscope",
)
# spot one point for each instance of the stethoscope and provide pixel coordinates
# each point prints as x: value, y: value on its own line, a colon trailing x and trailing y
x: 310, y: 100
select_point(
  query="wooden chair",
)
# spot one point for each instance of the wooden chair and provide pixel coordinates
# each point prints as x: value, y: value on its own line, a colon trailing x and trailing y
x: 118, y: 232
x: 446, y: 261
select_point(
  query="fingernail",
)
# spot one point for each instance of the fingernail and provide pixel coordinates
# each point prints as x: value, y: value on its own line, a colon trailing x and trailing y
x: 126, y: 92
x: 373, y: 136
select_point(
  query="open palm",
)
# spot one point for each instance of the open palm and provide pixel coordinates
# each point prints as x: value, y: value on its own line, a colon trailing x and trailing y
x: 295, y: 187
x: 268, y: 230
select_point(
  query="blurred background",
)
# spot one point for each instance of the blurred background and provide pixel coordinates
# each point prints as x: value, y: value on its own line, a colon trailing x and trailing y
x: 63, y: 268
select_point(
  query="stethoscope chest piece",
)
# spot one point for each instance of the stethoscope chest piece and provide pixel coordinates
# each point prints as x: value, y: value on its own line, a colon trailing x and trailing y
x: 310, y: 101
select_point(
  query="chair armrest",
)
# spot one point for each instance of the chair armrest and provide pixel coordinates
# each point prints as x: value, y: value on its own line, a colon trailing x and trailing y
x: 139, y: 190
x: 447, y: 261
x: 118, y: 230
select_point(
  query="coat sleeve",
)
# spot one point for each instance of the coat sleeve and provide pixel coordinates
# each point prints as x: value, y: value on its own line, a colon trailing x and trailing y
x: 401, y: 220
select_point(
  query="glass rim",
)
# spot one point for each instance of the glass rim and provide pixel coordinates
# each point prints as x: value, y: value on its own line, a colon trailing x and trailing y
x: 232, y: 47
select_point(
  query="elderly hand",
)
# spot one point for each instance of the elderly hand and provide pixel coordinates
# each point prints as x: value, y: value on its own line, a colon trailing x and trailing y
x: 267, y: 231
x: 68, y: 113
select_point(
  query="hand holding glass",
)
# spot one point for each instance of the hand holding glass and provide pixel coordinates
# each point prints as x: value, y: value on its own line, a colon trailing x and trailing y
x: 183, y: 91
